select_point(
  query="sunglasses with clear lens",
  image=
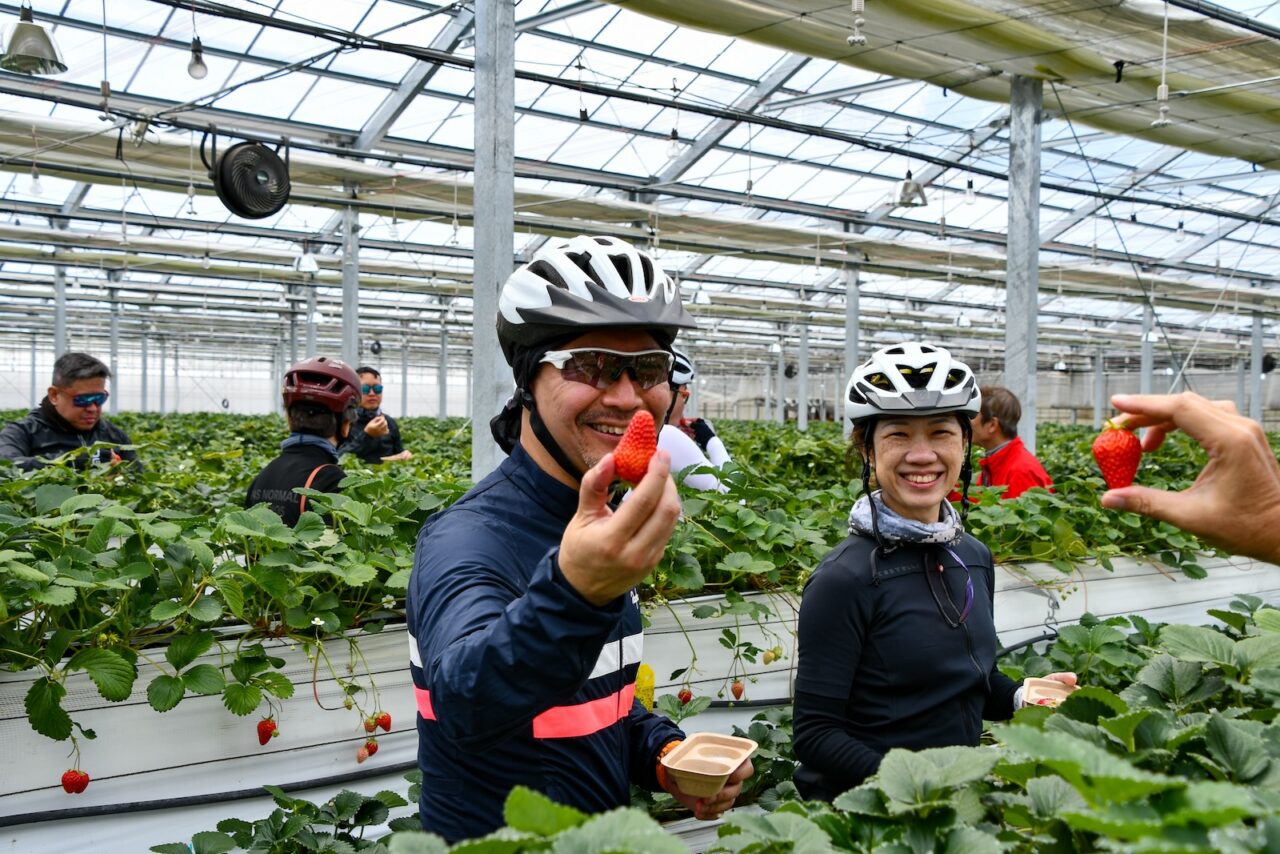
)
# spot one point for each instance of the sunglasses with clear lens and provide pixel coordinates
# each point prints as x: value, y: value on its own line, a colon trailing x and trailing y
x: 96, y: 398
x: 598, y: 367
x: 366, y: 388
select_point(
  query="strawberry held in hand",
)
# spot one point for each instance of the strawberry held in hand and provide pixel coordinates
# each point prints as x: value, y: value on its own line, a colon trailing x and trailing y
x: 1117, y: 451
x: 631, y: 457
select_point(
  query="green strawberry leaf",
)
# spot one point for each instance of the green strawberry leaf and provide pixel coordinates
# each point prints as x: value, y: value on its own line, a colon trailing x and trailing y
x: 44, y: 709
x: 416, y: 842
x: 277, y: 684
x: 210, y: 842
x: 533, y: 812
x: 109, y: 671
x: 185, y: 649
x: 165, y: 611
x: 241, y: 699
x: 207, y: 609
x: 204, y: 679
x: 165, y: 692
x: 1197, y: 643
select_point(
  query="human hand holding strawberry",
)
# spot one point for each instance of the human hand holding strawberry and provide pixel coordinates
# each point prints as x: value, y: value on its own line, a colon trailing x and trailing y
x: 1118, y: 452
x: 604, y: 553
x: 1242, y: 468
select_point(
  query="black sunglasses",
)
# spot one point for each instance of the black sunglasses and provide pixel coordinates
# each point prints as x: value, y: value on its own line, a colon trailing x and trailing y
x: 598, y: 367
x: 366, y: 388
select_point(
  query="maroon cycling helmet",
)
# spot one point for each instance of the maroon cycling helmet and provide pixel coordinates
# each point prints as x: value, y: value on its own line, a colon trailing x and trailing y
x: 330, y: 383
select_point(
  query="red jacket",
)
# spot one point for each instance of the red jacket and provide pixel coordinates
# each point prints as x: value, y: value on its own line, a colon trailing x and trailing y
x: 1015, y: 467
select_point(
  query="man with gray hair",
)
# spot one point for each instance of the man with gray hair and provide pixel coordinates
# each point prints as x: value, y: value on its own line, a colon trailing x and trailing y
x: 69, y: 418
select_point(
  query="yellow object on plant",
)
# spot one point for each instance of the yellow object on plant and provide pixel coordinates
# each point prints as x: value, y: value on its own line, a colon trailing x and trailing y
x: 644, y: 686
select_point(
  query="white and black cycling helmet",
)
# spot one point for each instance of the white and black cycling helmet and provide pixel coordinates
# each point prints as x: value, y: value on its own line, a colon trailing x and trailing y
x: 681, y: 368
x: 584, y: 283
x: 911, y: 379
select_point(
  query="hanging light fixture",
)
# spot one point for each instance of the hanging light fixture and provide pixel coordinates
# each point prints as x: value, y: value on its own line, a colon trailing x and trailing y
x: 1180, y: 233
x: 969, y: 195
x: 29, y: 49
x: 857, y: 38
x: 306, y: 262
x: 196, y: 67
x: 911, y: 193
x: 36, y: 188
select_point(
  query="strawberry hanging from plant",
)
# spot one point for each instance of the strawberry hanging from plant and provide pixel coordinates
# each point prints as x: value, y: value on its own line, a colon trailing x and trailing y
x: 1117, y: 451
x: 267, y: 729
x: 631, y: 457
x: 74, y: 781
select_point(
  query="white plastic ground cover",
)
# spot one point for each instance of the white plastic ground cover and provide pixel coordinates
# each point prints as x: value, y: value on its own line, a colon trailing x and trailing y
x: 199, y: 750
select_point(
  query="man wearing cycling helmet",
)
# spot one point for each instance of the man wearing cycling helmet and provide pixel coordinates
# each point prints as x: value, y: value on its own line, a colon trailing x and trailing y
x: 690, y: 441
x: 897, y: 638
x: 320, y: 397
x: 525, y: 631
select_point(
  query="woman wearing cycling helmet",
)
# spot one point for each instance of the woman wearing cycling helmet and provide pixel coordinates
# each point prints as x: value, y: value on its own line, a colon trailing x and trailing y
x: 897, y: 639
x: 691, y: 442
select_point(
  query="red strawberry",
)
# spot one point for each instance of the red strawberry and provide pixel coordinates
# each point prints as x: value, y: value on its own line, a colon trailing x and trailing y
x: 74, y: 781
x: 1117, y: 451
x: 370, y: 724
x: 384, y: 721
x: 631, y: 457
x: 737, y: 688
x: 372, y: 746
x: 361, y: 755
x: 685, y: 696
x: 267, y: 730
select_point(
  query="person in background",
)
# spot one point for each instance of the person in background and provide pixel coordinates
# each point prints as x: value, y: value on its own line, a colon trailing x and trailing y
x: 897, y: 637
x: 1235, y: 502
x: 375, y: 436
x: 320, y: 397
x: 68, y: 418
x: 1006, y: 461
x: 525, y: 631
x: 691, y: 442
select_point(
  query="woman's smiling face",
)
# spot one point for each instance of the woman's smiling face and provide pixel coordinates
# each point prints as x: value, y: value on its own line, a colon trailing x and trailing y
x: 917, y: 460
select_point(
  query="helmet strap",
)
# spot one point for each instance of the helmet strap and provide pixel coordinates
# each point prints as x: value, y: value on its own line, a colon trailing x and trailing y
x: 548, y: 441
x: 881, y: 545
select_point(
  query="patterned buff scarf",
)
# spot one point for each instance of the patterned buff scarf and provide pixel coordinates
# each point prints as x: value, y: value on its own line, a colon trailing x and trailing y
x: 894, y: 529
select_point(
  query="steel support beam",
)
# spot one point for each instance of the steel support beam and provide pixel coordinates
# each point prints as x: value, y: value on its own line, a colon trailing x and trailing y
x: 1255, y: 369
x: 802, y: 379
x: 494, y: 218
x: 1197, y: 246
x: 161, y: 376
x: 404, y: 372
x: 34, y: 387
x: 1147, y: 360
x: 1023, y: 275
x: 176, y: 390
x: 142, y: 348
x: 442, y: 372
x: 59, y: 311
x: 350, y: 286
x: 115, y: 353
x: 311, y: 321
x: 781, y: 414
x: 1099, y: 389
x: 852, y: 333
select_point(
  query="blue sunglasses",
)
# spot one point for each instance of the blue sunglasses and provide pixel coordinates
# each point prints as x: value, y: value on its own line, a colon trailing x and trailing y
x: 366, y: 388
x: 96, y: 398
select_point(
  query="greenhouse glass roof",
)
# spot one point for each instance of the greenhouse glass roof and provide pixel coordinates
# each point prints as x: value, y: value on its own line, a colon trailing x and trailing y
x: 764, y: 178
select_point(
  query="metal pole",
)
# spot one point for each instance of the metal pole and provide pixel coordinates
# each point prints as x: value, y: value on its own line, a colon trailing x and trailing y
x: 116, y: 385
x: 142, y: 404
x: 802, y: 386
x: 1099, y: 390
x: 781, y: 388
x: 311, y: 321
x: 34, y: 387
x: 1255, y: 367
x: 162, y: 376
x: 59, y: 311
x: 1022, y: 281
x: 1240, y: 398
x: 291, y: 291
x: 442, y: 372
x: 404, y: 372
x: 350, y: 284
x: 176, y: 406
x: 494, y: 217
x: 852, y: 294
x: 1148, y: 360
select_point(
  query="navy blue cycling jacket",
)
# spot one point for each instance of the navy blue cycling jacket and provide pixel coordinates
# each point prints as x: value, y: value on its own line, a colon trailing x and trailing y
x: 519, y: 680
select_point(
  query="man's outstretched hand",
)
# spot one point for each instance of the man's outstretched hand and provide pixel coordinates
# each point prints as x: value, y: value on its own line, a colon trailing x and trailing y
x: 1235, y: 502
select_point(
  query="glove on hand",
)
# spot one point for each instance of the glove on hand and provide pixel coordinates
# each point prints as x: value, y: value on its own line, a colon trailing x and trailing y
x: 702, y: 432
